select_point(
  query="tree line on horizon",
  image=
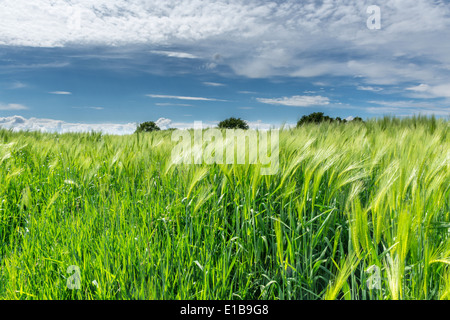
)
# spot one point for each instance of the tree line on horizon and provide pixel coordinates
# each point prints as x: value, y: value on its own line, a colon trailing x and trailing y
x: 238, y: 123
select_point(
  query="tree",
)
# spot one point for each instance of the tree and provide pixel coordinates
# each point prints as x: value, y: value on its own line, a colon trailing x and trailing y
x: 338, y: 119
x: 147, y: 126
x: 233, y: 123
x: 316, y: 117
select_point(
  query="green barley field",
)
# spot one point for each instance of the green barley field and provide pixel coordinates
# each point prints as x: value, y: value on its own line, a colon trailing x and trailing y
x: 356, y: 211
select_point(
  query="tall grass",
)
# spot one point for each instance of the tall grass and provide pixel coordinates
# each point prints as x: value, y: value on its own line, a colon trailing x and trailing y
x: 347, y: 198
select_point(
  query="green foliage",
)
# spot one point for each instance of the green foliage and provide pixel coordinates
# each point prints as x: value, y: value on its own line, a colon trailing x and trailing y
x: 319, y: 117
x: 147, y: 126
x: 233, y: 123
x: 347, y: 199
x: 316, y: 117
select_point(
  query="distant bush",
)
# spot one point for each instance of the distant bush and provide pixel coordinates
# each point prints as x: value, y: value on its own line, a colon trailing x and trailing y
x: 147, y: 126
x: 233, y: 123
x: 316, y: 117
x: 319, y: 117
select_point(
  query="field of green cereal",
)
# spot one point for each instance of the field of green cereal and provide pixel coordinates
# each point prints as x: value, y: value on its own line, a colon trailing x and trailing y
x: 356, y: 211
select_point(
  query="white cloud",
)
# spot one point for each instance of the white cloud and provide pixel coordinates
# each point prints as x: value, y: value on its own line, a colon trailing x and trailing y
x: 255, y: 38
x: 163, y: 123
x: 13, y: 106
x: 420, y: 88
x: 61, y: 92
x: 93, y: 108
x: 213, y: 84
x: 403, y: 112
x: 160, y: 96
x: 18, y: 123
x: 247, y: 92
x: 173, y: 104
x: 369, y: 88
x: 173, y: 54
x: 441, y: 90
x: 8, y: 68
x: 18, y: 85
x: 404, y: 104
x: 116, y: 22
x: 297, y: 101
x: 406, y: 108
x: 427, y: 91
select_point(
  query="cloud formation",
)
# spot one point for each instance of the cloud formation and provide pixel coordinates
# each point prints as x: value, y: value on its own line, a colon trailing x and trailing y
x: 61, y: 92
x: 427, y: 91
x: 12, y: 106
x: 172, y: 54
x: 166, y: 104
x: 213, y: 84
x: 18, y: 123
x: 254, y: 38
x: 297, y: 101
x: 163, y: 123
x: 373, y: 89
x: 408, y: 108
x: 161, y: 96
x: 93, y: 108
x: 18, y: 85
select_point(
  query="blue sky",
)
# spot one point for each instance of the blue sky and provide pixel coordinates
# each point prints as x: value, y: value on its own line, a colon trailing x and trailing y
x: 74, y: 65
